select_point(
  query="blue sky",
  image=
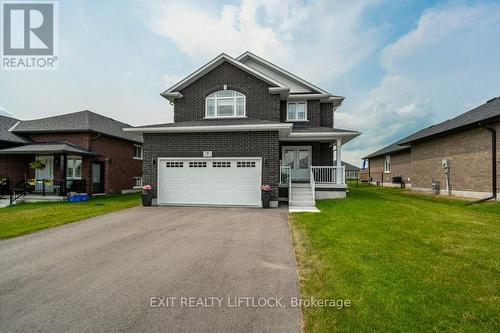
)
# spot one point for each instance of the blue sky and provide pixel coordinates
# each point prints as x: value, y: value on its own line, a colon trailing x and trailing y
x: 402, y: 65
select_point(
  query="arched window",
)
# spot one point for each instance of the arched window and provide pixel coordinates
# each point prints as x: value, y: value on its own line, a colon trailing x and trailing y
x: 225, y: 104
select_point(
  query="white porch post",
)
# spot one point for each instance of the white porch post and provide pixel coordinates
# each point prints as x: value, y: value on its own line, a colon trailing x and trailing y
x: 339, y: 177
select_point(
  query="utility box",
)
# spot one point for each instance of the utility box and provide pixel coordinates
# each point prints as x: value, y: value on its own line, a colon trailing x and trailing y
x: 436, y: 187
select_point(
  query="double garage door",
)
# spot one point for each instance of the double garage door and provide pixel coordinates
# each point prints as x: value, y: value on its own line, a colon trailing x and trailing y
x: 209, y: 181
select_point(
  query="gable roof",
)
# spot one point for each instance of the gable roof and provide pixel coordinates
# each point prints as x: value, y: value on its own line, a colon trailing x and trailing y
x: 83, y: 121
x: 390, y: 149
x: 211, y: 65
x: 488, y: 111
x: 347, y: 166
x: 293, y: 81
x: 6, y: 123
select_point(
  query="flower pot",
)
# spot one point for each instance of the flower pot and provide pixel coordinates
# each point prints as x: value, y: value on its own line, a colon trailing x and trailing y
x: 147, y: 199
x: 266, y: 199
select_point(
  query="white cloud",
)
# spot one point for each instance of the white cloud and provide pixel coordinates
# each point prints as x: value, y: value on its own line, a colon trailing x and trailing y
x: 4, y: 111
x: 440, y: 69
x: 320, y: 40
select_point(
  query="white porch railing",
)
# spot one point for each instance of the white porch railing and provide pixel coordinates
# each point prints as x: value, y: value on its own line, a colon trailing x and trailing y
x: 328, y: 174
x: 285, y: 174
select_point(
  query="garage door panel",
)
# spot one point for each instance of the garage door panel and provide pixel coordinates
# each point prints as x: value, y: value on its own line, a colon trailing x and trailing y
x: 209, y: 183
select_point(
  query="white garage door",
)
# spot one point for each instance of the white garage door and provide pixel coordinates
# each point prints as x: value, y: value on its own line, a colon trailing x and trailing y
x: 210, y: 181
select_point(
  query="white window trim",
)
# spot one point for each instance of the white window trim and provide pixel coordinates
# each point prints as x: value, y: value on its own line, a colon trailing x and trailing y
x: 73, y: 157
x: 296, y: 120
x: 140, y: 186
x: 387, y: 158
x: 234, y: 108
x: 142, y: 153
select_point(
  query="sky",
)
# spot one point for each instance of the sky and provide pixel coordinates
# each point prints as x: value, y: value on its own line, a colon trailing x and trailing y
x: 402, y: 65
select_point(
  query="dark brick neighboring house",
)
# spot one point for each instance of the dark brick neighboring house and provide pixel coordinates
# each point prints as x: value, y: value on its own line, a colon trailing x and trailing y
x: 460, y: 153
x: 241, y: 123
x: 81, y: 152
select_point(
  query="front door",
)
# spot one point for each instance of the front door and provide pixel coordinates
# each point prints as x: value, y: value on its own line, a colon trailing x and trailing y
x: 298, y: 158
x: 45, y: 176
x: 97, y: 177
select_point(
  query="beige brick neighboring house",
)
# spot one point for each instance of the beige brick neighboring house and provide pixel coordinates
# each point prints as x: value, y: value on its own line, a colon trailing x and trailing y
x: 388, y: 162
x: 460, y: 153
x: 469, y: 155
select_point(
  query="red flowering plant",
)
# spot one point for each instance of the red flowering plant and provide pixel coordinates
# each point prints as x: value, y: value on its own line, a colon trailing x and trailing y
x: 265, y: 188
x: 146, y: 189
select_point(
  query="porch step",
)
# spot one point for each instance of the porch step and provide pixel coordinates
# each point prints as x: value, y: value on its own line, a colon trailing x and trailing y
x: 302, y: 203
x: 4, y: 203
x: 40, y: 198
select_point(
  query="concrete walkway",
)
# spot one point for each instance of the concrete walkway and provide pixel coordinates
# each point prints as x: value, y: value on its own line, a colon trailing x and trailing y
x: 103, y: 273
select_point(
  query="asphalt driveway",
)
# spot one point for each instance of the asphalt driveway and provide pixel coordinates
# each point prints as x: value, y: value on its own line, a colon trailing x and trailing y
x: 115, y: 273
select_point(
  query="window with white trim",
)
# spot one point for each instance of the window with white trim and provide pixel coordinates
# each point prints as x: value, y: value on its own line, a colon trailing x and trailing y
x: 197, y: 164
x: 137, y: 152
x: 246, y: 164
x: 387, y: 163
x: 221, y: 164
x: 137, y: 182
x: 296, y: 111
x: 174, y: 164
x: 74, y: 167
x: 225, y: 104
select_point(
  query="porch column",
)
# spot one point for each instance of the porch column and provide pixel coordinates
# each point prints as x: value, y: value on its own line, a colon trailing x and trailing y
x: 63, y: 164
x: 339, y: 178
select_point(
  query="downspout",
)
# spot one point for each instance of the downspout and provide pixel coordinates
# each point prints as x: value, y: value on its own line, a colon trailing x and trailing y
x: 493, y: 164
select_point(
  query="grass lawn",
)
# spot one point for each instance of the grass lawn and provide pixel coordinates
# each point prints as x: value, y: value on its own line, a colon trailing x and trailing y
x: 406, y: 262
x: 28, y: 217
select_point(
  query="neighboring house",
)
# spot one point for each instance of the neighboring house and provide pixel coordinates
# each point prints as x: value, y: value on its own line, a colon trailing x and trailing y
x: 465, y: 147
x: 351, y: 171
x: 461, y: 154
x: 390, y: 166
x: 241, y: 123
x: 81, y: 152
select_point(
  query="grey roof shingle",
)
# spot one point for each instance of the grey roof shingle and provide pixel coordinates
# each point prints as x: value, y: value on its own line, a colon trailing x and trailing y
x: 6, y: 123
x: 321, y: 129
x: 348, y: 167
x: 482, y: 113
x: 78, y: 122
x: 214, y: 122
x: 390, y: 149
x: 50, y: 147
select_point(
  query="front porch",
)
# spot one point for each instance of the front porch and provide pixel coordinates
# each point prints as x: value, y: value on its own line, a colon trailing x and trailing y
x: 48, y: 172
x: 311, y: 167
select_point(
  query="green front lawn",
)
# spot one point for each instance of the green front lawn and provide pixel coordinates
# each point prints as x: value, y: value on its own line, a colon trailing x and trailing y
x: 406, y: 262
x: 25, y: 218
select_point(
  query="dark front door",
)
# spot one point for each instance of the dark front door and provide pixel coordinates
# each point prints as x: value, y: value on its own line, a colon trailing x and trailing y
x: 97, y: 177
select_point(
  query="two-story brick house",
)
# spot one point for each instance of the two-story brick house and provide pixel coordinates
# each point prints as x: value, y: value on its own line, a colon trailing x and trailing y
x: 80, y: 151
x: 241, y: 123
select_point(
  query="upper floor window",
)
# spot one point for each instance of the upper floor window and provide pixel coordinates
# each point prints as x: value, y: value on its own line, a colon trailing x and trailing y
x: 137, y: 152
x: 387, y: 163
x: 296, y: 111
x: 225, y: 103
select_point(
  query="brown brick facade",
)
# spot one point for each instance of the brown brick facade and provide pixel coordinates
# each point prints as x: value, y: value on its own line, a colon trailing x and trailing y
x: 400, y: 167
x: 469, y: 153
x: 119, y: 166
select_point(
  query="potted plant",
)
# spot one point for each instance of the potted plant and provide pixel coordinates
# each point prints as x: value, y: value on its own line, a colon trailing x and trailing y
x: 266, y: 195
x: 147, y: 196
x: 37, y: 165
